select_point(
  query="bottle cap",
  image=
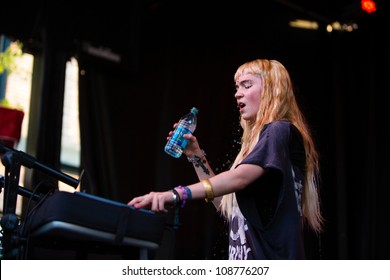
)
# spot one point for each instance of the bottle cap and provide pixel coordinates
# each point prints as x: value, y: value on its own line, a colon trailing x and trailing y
x: 194, y: 110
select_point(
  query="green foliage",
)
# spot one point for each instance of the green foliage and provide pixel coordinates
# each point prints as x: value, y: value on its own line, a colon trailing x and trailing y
x: 5, y: 103
x: 7, y: 58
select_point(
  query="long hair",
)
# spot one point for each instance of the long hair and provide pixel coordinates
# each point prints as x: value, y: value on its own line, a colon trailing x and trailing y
x: 278, y: 103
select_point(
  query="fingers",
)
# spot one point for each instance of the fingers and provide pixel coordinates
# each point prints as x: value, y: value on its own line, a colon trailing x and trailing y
x: 138, y: 202
x: 154, y: 201
x: 171, y: 132
x: 158, y: 204
x: 190, y: 137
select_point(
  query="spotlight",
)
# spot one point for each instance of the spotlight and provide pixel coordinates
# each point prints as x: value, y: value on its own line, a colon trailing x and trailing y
x: 368, y: 6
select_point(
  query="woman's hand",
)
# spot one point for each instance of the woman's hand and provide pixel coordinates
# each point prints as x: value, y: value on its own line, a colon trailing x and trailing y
x: 192, y: 148
x: 155, y: 201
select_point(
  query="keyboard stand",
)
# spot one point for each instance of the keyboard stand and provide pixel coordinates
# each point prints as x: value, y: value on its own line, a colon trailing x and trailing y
x: 60, y: 229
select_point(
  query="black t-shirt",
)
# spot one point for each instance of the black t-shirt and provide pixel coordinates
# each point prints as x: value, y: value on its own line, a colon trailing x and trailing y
x: 267, y: 222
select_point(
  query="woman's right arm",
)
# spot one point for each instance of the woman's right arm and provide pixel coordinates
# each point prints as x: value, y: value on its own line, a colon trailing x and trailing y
x: 197, y: 157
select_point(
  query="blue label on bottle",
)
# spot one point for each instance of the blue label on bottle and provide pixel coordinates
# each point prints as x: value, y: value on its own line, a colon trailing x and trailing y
x: 177, y: 143
x: 177, y: 137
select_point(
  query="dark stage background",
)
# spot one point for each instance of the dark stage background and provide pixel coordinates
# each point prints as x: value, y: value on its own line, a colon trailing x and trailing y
x: 179, y: 54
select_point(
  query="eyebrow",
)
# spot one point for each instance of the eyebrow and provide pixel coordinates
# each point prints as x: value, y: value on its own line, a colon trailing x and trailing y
x: 243, y: 82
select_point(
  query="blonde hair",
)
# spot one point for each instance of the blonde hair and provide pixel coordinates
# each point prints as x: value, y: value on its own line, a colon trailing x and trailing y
x: 278, y: 103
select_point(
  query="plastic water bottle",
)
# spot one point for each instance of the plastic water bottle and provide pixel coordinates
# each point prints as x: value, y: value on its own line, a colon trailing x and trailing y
x: 186, y: 125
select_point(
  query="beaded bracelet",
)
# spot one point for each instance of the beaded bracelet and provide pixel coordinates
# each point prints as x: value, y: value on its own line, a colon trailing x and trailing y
x: 183, y: 194
x: 186, y: 194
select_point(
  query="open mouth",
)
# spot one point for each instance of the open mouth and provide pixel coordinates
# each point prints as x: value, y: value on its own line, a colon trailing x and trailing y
x: 240, y: 105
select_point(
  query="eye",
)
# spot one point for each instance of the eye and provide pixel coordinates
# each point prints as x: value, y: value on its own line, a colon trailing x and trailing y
x: 247, y: 84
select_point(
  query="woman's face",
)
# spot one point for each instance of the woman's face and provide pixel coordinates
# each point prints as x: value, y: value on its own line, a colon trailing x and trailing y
x: 248, y: 89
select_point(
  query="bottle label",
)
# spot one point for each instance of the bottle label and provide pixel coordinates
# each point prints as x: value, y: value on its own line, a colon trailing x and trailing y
x: 177, y: 137
x: 177, y: 143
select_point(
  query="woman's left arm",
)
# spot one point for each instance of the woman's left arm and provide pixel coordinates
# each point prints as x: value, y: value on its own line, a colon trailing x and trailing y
x: 226, y: 182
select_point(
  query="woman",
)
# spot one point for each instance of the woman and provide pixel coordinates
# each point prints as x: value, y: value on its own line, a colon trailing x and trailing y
x: 271, y: 191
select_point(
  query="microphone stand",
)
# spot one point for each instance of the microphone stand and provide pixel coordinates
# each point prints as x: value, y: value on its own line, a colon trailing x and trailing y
x: 22, y: 191
x: 13, y: 160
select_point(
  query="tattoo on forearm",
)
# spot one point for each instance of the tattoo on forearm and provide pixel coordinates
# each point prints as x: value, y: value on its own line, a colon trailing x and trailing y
x: 200, y: 163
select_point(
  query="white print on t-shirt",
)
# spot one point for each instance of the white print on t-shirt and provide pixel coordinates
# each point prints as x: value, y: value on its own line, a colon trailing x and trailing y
x: 298, y: 192
x: 238, y: 246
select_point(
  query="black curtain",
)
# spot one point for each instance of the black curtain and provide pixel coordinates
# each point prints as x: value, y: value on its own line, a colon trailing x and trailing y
x: 52, y: 84
x: 360, y: 164
x: 96, y: 131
